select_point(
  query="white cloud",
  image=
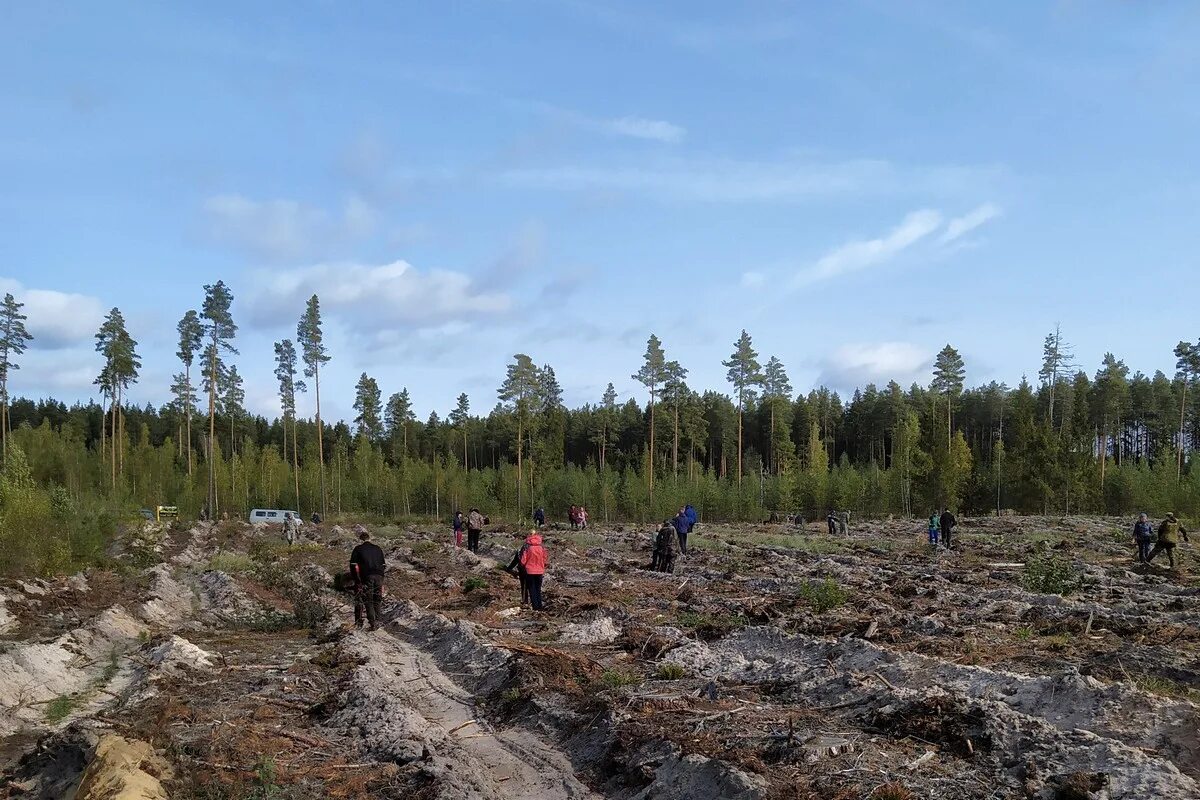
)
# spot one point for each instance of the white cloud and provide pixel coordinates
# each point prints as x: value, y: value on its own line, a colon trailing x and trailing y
x: 56, y: 319
x: 854, y: 365
x: 285, y: 230
x: 753, y: 280
x: 961, y: 226
x: 729, y: 181
x: 380, y: 305
x: 639, y: 128
x: 863, y: 253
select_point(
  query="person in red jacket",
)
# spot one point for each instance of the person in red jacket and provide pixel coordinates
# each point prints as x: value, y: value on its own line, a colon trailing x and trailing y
x: 533, y: 561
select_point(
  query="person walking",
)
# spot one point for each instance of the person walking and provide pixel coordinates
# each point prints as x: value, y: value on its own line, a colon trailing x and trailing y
x: 1143, y: 536
x: 680, y: 523
x: 475, y: 523
x: 583, y: 515
x: 539, y: 517
x: 934, y: 527
x: 533, y: 560
x: 460, y: 524
x: 947, y: 523
x: 290, y: 528
x: 664, y: 549
x: 831, y: 519
x: 690, y: 511
x: 367, y: 565
x: 1169, y: 531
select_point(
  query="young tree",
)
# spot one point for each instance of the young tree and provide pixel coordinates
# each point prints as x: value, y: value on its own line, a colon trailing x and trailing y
x: 777, y: 389
x: 121, y: 365
x: 651, y: 375
x: 603, y: 421
x: 285, y: 372
x: 232, y: 398
x: 948, y: 375
x: 744, y: 373
x: 1057, y: 360
x: 520, y: 390
x: 191, y: 336
x: 219, y: 330
x: 1187, y: 367
x: 460, y: 418
x: 398, y: 414
x: 311, y: 339
x: 184, y: 399
x: 370, y: 410
x: 13, y: 341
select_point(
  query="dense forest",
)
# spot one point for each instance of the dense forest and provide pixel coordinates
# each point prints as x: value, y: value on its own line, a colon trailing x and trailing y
x: 1070, y: 442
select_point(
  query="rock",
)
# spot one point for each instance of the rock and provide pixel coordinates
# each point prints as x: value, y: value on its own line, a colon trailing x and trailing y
x: 176, y: 654
x: 78, y: 583
x: 32, y: 588
x: 8, y: 622
x: 598, y: 631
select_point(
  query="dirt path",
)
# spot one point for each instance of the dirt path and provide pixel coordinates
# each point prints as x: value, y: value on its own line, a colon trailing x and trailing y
x: 407, y: 708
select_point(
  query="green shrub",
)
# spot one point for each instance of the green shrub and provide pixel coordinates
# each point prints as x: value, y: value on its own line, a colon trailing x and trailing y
x: 1051, y: 575
x: 232, y: 563
x: 474, y: 583
x: 822, y: 596
x: 712, y: 622
x: 60, y: 708
x: 615, y: 679
x: 669, y: 671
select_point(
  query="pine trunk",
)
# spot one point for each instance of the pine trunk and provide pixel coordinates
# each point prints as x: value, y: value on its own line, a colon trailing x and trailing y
x: 188, y: 377
x: 320, y: 440
x: 1179, y: 448
x: 675, y: 447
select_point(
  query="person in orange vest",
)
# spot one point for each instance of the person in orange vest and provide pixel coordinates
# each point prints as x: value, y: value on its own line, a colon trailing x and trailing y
x: 533, y: 561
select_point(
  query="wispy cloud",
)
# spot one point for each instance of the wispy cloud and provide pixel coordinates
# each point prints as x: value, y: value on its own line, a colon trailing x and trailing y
x: 56, y: 319
x: 860, y: 254
x: 639, y: 128
x: 380, y: 305
x: 854, y: 365
x: 286, y: 230
x: 753, y: 280
x: 961, y: 226
x: 733, y: 181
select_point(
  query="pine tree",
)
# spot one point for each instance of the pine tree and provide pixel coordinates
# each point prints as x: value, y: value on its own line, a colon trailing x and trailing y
x: 776, y: 389
x: 674, y: 391
x: 1187, y: 367
x: 398, y: 414
x: 520, y: 390
x: 312, y: 346
x: 652, y: 374
x: 460, y: 417
x: 191, y: 336
x: 184, y: 395
x: 285, y: 372
x: 14, y: 339
x: 744, y: 373
x: 1057, y: 360
x: 948, y: 375
x: 219, y: 330
x: 121, y: 365
x: 232, y: 396
x: 1110, y: 391
x: 367, y: 403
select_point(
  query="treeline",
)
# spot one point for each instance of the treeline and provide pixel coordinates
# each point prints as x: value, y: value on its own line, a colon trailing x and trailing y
x: 1109, y: 441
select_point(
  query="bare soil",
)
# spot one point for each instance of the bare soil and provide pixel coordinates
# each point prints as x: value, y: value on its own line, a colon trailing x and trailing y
x: 775, y: 662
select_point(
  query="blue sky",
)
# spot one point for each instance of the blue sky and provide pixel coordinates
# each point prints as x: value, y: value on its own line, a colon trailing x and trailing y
x: 856, y: 184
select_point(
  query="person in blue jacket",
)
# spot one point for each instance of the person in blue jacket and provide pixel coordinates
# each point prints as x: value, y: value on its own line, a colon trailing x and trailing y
x: 1143, y: 536
x: 680, y: 521
x: 539, y: 517
x: 689, y: 511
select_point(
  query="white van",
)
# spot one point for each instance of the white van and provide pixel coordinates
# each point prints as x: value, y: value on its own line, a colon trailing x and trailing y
x: 271, y: 516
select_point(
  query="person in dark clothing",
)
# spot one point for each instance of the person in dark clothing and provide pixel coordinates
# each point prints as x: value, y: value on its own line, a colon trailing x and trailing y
x: 539, y: 517
x: 475, y: 523
x: 690, y: 511
x: 515, y: 567
x: 1169, y: 531
x: 831, y: 519
x: 680, y: 524
x: 664, y: 549
x: 367, y: 566
x: 460, y: 525
x: 947, y: 522
x: 316, y: 518
x: 1143, y: 536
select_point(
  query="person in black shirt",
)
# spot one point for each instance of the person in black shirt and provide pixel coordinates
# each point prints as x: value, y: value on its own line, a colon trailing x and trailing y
x: 947, y: 522
x: 367, y: 566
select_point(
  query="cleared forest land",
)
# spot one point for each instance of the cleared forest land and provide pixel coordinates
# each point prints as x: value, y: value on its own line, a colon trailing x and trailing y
x: 1035, y: 661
